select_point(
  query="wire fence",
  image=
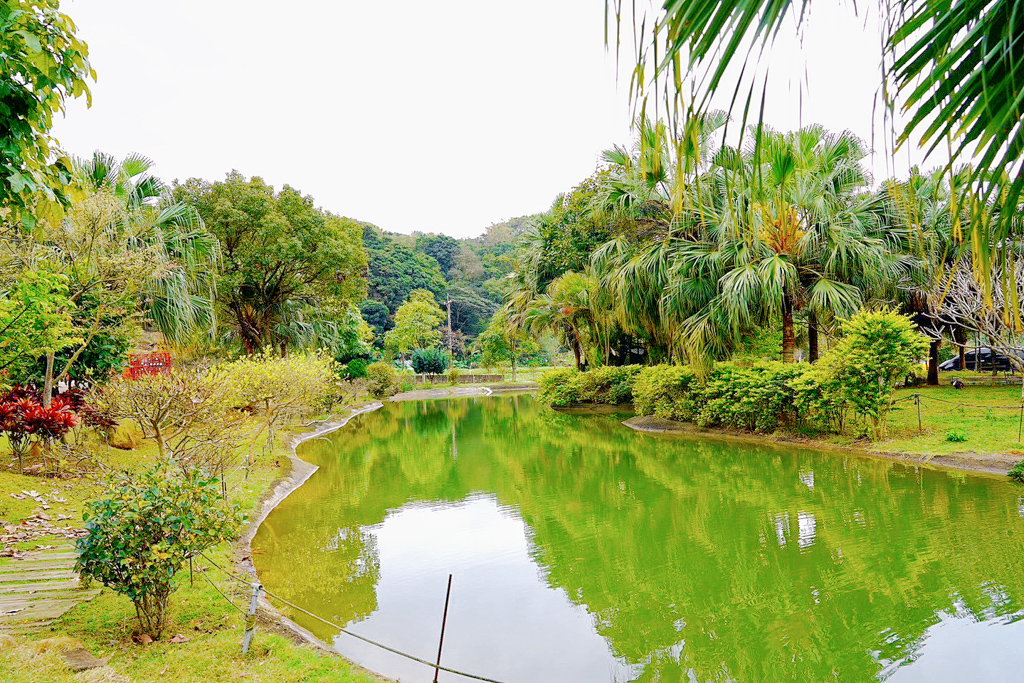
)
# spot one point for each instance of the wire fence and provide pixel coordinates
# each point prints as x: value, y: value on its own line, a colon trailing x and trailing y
x: 920, y: 399
x: 248, y: 583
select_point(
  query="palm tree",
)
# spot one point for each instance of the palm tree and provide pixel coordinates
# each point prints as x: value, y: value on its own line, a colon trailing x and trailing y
x: 565, y: 309
x: 179, y: 300
x: 955, y: 68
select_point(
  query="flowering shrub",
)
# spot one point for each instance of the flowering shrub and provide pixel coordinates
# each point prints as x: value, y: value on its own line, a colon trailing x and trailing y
x: 23, y: 418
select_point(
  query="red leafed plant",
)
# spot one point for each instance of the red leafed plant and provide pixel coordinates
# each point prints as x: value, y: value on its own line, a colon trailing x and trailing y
x: 22, y: 418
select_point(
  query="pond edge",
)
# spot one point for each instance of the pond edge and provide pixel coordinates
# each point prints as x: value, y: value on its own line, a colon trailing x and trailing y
x: 990, y: 464
x: 299, y: 473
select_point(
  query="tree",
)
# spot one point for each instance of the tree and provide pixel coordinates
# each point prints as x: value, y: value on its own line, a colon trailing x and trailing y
x: 42, y: 63
x: 35, y: 319
x: 189, y: 413
x: 144, y: 529
x: 396, y: 270
x: 442, y: 248
x: 281, y: 387
x: 504, y: 340
x: 416, y: 323
x: 954, y: 68
x: 179, y: 296
x: 278, y: 250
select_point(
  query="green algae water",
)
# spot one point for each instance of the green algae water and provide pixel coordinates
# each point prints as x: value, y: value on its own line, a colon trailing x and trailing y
x: 584, y: 551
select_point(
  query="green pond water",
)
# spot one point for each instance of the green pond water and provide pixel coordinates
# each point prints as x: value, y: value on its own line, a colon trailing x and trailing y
x: 584, y: 551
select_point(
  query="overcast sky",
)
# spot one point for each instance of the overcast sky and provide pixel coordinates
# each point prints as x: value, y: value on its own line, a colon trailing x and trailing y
x: 441, y: 116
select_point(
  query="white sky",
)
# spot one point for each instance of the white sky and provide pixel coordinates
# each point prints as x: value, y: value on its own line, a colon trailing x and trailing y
x: 440, y: 116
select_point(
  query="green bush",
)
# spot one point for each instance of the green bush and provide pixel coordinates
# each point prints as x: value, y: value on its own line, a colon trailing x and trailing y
x: 665, y: 391
x: 556, y: 387
x: 147, y: 526
x: 355, y: 369
x: 453, y: 375
x: 956, y: 435
x: 1017, y: 472
x: 383, y: 381
x: 608, y: 384
x: 429, y: 361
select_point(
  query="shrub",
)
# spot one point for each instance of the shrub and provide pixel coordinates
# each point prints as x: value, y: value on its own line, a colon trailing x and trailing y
x: 429, y: 361
x: 1017, y: 472
x: 608, y: 384
x: 23, y: 417
x: 759, y: 398
x: 453, y: 375
x: 143, y: 531
x: 956, y: 435
x: 664, y: 391
x: 878, y: 351
x: 355, y: 369
x: 556, y: 387
x: 383, y: 381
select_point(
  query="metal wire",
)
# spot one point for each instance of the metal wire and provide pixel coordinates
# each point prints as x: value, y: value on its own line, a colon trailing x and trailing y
x: 414, y: 658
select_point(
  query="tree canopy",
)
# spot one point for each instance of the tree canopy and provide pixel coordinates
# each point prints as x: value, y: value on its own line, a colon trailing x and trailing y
x: 285, y: 260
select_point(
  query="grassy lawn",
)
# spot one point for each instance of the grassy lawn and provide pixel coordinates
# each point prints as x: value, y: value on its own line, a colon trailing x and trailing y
x: 197, y: 611
x: 989, y: 429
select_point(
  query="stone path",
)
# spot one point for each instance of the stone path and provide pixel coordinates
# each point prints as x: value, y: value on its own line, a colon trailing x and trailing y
x: 38, y: 587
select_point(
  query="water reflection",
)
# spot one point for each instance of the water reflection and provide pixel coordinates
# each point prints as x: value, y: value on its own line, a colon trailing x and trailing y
x: 611, y: 555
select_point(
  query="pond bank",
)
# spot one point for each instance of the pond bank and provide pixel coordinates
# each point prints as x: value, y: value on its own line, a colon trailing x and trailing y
x: 299, y: 472
x: 983, y: 463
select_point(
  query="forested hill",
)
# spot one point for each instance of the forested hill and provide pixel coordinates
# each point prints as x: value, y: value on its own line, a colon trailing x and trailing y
x: 469, y: 272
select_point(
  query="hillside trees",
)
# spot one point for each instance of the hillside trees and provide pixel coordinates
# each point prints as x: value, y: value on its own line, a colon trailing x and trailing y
x: 416, y: 323
x: 396, y: 270
x: 280, y: 253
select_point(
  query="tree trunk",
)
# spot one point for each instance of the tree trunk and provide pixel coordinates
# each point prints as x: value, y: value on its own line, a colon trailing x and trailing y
x: 576, y: 352
x: 788, y: 333
x: 812, y: 337
x: 48, y: 380
x: 933, y: 362
x: 960, y: 336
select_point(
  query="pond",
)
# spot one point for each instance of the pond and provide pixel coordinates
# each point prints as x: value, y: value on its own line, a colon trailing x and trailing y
x: 584, y: 551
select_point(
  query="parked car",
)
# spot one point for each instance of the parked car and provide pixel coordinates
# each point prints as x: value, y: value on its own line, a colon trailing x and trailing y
x: 981, y: 359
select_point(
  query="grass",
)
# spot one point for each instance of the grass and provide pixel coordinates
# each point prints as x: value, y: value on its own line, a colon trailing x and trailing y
x: 990, y: 429
x: 197, y: 610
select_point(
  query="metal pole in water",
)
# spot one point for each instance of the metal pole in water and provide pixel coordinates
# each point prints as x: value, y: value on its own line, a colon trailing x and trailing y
x: 444, y: 620
x: 250, y: 618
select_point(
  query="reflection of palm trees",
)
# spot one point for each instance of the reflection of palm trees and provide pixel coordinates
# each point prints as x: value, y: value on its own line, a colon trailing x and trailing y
x: 667, y: 542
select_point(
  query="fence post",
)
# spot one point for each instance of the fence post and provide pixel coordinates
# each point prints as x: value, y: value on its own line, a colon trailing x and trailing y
x: 917, y: 398
x: 444, y: 620
x: 250, y: 618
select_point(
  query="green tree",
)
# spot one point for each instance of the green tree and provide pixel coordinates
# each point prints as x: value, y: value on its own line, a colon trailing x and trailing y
x: 957, y: 69
x: 278, y: 250
x: 416, y: 323
x: 504, y: 340
x: 396, y: 270
x: 42, y: 64
x: 442, y: 248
